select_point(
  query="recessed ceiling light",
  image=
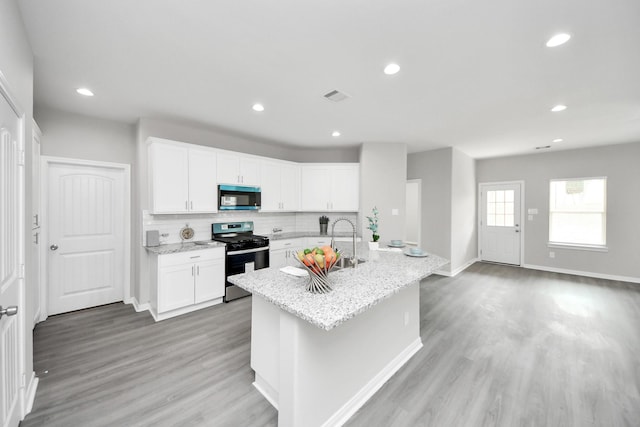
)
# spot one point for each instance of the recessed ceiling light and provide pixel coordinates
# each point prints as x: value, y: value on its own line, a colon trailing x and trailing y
x: 391, y: 69
x: 84, y: 91
x: 558, y: 108
x: 558, y: 140
x: 558, y: 39
x: 258, y: 107
x: 335, y: 133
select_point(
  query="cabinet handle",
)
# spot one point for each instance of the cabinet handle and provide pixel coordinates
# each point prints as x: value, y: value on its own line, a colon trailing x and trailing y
x: 36, y: 236
x: 186, y: 204
x: 191, y: 205
x: 198, y: 267
x: 192, y: 270
x: 194, y: 257
x: 36, y: 219
x: 238, y: 181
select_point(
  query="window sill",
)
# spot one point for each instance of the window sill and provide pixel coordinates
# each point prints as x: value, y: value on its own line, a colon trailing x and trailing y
x: 592, y: 248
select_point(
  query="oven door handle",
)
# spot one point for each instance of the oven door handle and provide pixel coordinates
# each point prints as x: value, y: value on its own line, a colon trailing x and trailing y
x: 248, y: 251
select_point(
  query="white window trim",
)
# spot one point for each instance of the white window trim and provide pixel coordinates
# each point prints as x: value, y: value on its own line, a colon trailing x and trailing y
x: 579, y: 247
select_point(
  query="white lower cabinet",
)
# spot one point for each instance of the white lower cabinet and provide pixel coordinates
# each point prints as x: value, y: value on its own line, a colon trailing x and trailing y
x: 282, y: 252
x: 186, y: 281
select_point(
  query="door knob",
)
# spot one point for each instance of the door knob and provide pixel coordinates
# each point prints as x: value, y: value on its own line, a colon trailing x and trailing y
x: 53, y: 247
x: 9, y: 311
x: 517, y: 231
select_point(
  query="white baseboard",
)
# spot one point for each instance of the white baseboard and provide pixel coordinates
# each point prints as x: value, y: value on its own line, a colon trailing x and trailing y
x: 457, y: 270
x: 347, y: 410
x: 136, y: 305
x: 266, y: 390
x: 583, y: 273
x: 184, y: 310
x: 30, y: 394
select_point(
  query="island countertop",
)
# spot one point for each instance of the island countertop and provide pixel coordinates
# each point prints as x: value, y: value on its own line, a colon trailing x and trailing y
x: 355, y: 290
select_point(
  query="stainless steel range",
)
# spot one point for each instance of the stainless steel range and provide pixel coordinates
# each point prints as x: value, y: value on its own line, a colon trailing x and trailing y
x: 245, y: 252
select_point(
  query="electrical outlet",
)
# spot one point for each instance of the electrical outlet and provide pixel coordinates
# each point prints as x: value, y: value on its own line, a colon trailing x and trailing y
x: 395, y: 212
x: 552, y: 254
x: 530, y: 217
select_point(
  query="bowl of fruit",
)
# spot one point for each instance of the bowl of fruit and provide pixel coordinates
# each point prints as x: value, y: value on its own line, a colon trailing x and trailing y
x: 318, y: 262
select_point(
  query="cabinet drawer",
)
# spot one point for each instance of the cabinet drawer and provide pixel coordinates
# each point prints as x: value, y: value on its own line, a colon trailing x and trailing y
x: 190, y: 257
x: 277, y: 245
x: 318, y: 241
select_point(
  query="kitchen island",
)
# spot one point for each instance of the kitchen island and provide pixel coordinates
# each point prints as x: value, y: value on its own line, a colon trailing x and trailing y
x: 319, y: 357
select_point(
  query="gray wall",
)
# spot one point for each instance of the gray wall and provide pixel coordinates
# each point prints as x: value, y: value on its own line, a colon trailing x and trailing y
x: 383, y: 180
x: 81, y: 137
x: 464, y: 240
x: 448, y: 204
x: 619, y: 163
x: 16, y: 65
x: 434, y: 168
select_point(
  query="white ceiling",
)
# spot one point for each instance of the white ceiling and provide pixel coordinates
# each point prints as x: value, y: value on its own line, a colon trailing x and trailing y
x: 475, y: 75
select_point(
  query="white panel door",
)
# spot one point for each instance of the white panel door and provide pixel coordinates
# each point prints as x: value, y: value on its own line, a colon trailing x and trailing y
x: 176, y: 287
x: 11, y: 283
x: 35, y: 224
x: 249, y: 171
x: 345, y: 188
x: 228, y: 169
x: 170, y: 178
x: 203, y: 186
x: 210, y: 282
x: 500, y: 223
x: 86, y: 236
x: 271, y: 187
x: 315, y: 188
x: 290, y: 187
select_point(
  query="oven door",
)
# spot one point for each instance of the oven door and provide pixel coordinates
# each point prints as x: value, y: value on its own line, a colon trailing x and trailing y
x: 241, y: 262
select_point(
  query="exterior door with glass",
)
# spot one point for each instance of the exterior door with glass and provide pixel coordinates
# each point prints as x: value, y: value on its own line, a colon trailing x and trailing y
x: 500, y: 220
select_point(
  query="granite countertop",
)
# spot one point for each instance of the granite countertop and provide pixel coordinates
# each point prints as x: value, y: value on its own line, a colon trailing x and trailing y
x: 355, y: 290
x: 173, y: 248
x: 192, y: 246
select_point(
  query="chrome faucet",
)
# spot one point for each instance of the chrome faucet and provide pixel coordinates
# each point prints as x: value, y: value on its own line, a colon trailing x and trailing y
x: 333, y: 240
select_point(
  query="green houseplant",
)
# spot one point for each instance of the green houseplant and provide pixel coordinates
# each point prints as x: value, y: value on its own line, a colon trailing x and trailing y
x: 373, y: 226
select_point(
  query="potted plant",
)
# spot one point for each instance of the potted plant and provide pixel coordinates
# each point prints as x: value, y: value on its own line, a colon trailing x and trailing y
x: 373, y: 226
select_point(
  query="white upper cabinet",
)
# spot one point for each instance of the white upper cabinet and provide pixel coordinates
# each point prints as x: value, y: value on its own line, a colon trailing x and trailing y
x: 183, y: 178
x: 330, y: 187
x: 280, y: 184
x: 238, y: 169
x: 203, y: 188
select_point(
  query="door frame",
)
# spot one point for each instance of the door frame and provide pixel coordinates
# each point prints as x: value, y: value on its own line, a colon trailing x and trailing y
x: 45, y: 163
x: 482, y: 185
x: 28, y: 383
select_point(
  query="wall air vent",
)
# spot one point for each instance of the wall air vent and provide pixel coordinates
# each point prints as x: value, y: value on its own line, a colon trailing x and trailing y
x: 336, y: 96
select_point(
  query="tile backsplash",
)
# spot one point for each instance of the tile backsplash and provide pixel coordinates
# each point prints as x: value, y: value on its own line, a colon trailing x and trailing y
x: 169, y: 226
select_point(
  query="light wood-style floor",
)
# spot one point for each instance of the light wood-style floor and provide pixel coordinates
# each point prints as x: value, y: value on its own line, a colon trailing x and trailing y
x: 503, y: 346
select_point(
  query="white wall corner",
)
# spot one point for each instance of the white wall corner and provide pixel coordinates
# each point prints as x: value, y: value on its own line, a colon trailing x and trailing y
x: 136, y: 305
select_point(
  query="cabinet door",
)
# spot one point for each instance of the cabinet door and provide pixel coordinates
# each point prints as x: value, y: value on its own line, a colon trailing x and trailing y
x: 345, y: 185
x: 313, y: 242
x: 271, y: 186
x: 228, y: 169
x: 175, y: 287
x: 315, y: 188
x: 210, y: 280
x: 170, y: 178
x: 203, y: 186
x: 290, y: 187
x: 278, y: 259
x: 249, y: 171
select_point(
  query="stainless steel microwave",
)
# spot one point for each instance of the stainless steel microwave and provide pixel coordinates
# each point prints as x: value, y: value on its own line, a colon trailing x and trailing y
x: 238, y: 198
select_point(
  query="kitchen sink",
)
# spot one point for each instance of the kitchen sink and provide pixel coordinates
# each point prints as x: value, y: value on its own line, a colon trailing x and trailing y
x: 347, y: 263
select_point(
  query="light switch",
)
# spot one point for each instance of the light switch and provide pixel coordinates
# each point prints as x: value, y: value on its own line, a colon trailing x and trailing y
x: 530, y: 217
x: 532, y: 211
x: 395, y: 212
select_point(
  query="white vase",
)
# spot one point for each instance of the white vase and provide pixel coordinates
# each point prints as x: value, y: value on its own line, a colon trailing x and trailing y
x: 373, y: 246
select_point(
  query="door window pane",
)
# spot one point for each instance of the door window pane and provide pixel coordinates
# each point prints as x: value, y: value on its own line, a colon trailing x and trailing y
x: 500, y: 208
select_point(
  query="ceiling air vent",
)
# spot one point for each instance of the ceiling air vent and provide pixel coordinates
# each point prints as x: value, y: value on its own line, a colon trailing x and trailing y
x: 336, y: 96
